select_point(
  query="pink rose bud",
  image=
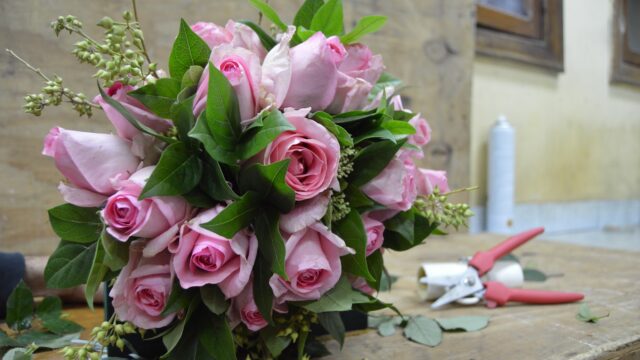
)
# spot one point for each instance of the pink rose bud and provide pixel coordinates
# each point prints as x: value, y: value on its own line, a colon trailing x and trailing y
x: 359, y: 283
x: 123, y: 128
x: 244, y: 309
x: 212, y: 34
x: 314, y: 154
x: 427, y: 180
x: 142, y: 289
x: 242, y: 68
x: 375, y: 233
x: 126, y: 216
x: 236, y: 34
x: 312, y: 263
x: 89, y: 161
x: 395, y: 186
x: 314, y: 72
x: 423, y: 131
x: 204, y: 257
x: 359, y: 71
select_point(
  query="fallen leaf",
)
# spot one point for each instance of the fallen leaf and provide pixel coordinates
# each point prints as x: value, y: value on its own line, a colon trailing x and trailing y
x: 464, y: 323
x: 423, y: 331
x: 534, y: 275
x: 585, y: 314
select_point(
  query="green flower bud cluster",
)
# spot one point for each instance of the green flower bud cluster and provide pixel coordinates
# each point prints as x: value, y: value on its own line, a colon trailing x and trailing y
x: 437, y: 210
x: 109, y: 333
x: 345, y: 166
x: 120, y: 56
x: 54, y: 93
x: 339, y: 206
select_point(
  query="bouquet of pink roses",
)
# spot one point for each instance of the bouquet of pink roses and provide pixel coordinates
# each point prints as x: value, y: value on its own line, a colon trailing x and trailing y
x: 246, y: 195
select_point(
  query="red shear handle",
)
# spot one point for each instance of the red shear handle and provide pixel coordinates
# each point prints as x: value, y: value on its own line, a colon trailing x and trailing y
x: 497, y: 294
x: 483, y: 260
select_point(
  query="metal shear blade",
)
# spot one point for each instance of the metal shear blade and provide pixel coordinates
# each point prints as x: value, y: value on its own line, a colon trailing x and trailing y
x: 468, y: 284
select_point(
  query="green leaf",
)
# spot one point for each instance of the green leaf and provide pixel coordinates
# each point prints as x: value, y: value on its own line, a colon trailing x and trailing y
x: 214, y: 183
x: 371, y: 160
x: 20, y: 307
x: 423, y: 331
x: 374, y: 304
x: 356, y: 116
x: 351, y: 229
x: 158, y: 97
x: 326, y: 120
x: 191, y: 77
x: 375, y: 264
x: 385, y: 80
x: 463, y: 323
x: 235, y: 217
x: 398, y: 127
x: 132, y: 119
x: 178, y: 171
x: 179, y: 299
x: 61, y: 326
x: 222, y: 111
x: 267, y: 41
x: 329, y: 18
x: 305, y: 14
x: 182, y: 116
x: 585, y: 314
x: 302, y: 34
x: 6, y: 341
x: 510, y: 257
x: 255, y: 140
x: 96, y: 275
x: 202, y: 133
x: 216, y: 338
x: 387, y: 280
x: 18, y: 354
x: 76, y: 224
x: 269, y: 182
x: 366, y: 25
x: 69, y: 265
x: 173, y: 337
x: 340, y: 298
x: 534, y: 275
x: 276, y: 344
x: 406, y: 230
x: 332, y: 322
x: 357, y: 199
x: 388, y: 327
x: 214, y: 299
x: 269, y: 13
x: 262, y: 293
x: 200, y: 199
x: 51, y: 306
x: 46, y: 340
x: 188, y: 50
x: 116, y: 253
x: 377, y: 133
x: 270, y: 241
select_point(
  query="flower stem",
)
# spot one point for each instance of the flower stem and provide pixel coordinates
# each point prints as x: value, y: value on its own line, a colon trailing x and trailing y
x: 29, y: 66
x: 144, y: 46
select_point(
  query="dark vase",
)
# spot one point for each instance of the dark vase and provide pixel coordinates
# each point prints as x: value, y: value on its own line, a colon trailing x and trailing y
x: 153, y: 349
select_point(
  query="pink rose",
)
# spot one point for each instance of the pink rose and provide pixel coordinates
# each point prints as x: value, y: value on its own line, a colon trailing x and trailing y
x: 123, y: 128
x: 375, y: 233
x: 242, y: 68
x: 306, y: 213
x: 236, y: 34
x: 204, y: 257
x: 141, y: 290
x: 89, y: 161
x: 127, y: 216
x: 314, y: 72
x: 395, y: 186
x: 423, y: 131
x: 276, y: 72
x: 244, y: 309
x: 314, y: 154
x: 427, y: 180
x: 312, y: 263
x: 359, y: 71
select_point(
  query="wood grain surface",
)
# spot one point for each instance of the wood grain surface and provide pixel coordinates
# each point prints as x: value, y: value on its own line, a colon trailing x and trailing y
x: 609, y: 280
x: 428, y: 43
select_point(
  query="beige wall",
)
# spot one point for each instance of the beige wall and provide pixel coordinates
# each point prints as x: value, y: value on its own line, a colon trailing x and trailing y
x: 577, y: 135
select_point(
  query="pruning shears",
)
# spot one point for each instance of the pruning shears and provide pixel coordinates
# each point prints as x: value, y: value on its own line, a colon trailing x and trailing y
x: 495, y: 293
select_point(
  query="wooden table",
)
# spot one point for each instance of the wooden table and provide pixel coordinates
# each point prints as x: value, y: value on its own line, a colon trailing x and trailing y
x: 609, y: 279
